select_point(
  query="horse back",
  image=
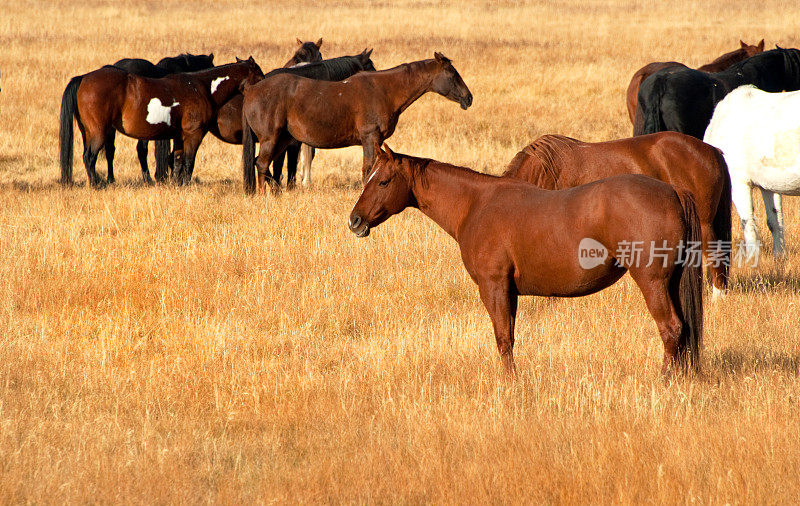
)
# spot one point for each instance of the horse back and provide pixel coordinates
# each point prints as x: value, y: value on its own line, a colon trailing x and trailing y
x: 539, y: 232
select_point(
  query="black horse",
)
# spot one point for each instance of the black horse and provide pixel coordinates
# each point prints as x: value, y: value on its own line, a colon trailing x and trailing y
x: 144, y: 68
x: 334, y: 69
x: 683, y: 99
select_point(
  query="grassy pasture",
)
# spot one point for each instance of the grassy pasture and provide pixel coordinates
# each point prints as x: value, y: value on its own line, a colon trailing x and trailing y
x: 162, y: 345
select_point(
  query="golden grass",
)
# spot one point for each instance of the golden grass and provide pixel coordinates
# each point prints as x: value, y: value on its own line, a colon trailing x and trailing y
x: 195, y: 344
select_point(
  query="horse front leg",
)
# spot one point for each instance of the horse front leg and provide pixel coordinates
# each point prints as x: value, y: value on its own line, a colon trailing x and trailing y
x: 773, y: 203
x: 177, y: 175
x: 141, y: 153
x: 500, y: 301
x: 743, y: 200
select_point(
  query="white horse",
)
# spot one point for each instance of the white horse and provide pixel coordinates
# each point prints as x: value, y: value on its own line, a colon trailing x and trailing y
x: 759, y: 135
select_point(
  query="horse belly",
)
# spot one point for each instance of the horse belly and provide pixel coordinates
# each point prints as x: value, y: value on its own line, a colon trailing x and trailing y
x: 566, y: 275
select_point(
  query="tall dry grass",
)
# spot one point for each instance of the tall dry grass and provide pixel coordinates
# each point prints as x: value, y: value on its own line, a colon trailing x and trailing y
x: 196, y: 344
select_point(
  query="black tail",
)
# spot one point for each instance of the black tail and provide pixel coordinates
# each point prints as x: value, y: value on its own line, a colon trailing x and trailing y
x: 690, y: 291
x: 248, y: 156
x: 69, y: 109
x: 648, y: 118
x: 722, y: 220
x: 162, y: 153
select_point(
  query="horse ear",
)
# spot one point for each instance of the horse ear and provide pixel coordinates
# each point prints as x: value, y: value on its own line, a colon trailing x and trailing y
x: 319, y: 43
x: 365, y: 54
x: 388, y: 151
x: 438, y: 56
x: 239, y: 60
x: 761, y: 45
x: 211, y: 57
x: 741, y: 42
x: 251, y: 60
x: 299, y: 41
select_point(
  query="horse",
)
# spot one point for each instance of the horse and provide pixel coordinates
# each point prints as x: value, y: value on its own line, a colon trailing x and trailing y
x: 184, y: 62
x: 759, y: 136
x: 361, y: 110
x: 683, y: 100
x: 721, y: 63
x: 178, y: 107
x: 228, y: 126
x: 556, y: 162
x: 517, y: 239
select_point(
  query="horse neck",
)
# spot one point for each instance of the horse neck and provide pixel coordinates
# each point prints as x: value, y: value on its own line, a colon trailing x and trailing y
x: 724, y: 61
x: 445, y: 193
x: 406, y: 83
x: 231, y: 84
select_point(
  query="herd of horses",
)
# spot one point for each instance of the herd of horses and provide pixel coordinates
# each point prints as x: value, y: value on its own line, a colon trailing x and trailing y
x: 702, y: 140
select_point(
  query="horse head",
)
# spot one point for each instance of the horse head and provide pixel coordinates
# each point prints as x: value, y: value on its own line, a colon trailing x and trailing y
x: 448, y: 83
x: 364, y: 59
x: 752, y: 50
x: 387, y: 192
x: 308, y: 52
x: 254, y: 73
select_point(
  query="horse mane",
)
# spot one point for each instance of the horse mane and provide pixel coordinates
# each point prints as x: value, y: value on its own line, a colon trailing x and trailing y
x: 337, y: 68
x: 547, y: 149
x: 791, y: 62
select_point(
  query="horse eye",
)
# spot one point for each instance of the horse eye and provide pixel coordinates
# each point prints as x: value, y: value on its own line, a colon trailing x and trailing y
x: 385, y: 182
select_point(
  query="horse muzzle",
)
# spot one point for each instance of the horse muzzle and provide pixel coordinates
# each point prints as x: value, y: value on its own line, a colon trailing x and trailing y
x: 358, y: 226
x: 466, y: 101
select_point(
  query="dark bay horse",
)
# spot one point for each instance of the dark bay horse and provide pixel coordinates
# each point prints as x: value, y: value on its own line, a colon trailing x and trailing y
x: 556, y: 162
x: 517, y: 239
x: 683, y: 100
x: 170, y: 65
x: 178, y: 107
x: 721, y: 63
x: 361, y: 110
x: 228, y: 127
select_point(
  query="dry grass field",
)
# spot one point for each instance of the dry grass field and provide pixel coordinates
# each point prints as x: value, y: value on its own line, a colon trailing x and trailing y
x: 186, y: 345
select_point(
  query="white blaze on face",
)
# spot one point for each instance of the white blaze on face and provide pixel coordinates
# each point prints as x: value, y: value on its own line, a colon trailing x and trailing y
x: 301, y: 64
x: 159, y: 113
x: 216, y: 82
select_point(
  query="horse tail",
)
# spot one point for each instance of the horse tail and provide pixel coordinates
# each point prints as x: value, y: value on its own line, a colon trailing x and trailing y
x: 690, y: 290
x: 722, y: 220
x: 69, y: 110
x: 648, y: 118
x: 248, y: 156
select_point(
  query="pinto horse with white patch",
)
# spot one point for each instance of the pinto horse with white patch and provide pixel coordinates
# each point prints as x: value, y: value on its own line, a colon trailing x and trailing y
x: 517, y: 239
x: 179, y: 107
x: 759, y: 136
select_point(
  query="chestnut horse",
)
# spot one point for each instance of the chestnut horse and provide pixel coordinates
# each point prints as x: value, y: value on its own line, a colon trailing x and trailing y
x: 361, y: 110
x: 228, y: 126
x: 555, y: 162
x: 721, y: 63
x: 178, y: 107
x: 517, y: 239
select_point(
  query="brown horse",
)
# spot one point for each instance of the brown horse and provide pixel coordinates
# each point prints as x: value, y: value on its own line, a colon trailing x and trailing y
x: 555, y: 162
x: 517, y: 239
x: 179, y: 107
x: 228, y: 125
x: 721, y: 63
x: 361, y: 110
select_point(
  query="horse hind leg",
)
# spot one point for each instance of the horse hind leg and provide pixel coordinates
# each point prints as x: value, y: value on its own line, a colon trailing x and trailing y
x: 655, y: 290
x: 110, y: 149
x: 292, y: 152
x: 743, y: 200
x: 773, y: 203
x: 306, y: 156
x: 91, y: 150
